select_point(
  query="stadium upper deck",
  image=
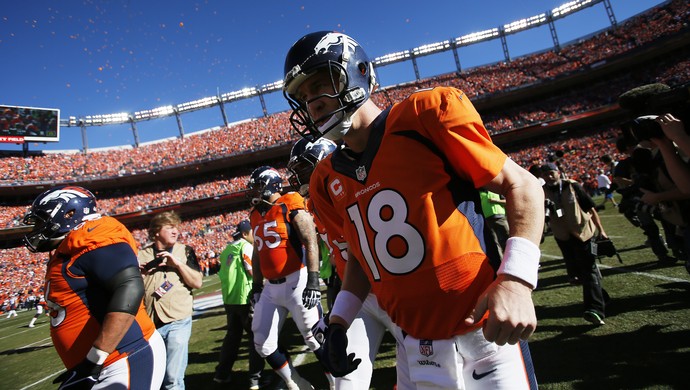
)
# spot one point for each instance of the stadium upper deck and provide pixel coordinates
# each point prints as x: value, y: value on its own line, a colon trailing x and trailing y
x: 496, y: 88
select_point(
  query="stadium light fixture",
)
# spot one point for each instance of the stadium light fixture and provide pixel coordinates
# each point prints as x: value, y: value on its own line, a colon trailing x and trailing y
x: 477, y: 37
x: 274, y: 86
x: 570, y: 7
x: 197, y: 104
x: 158, y: 112
x: 391, y: 58
x: 431, y: 48
x: 107, y: 119
x: 241, y: 94
x: 524, y: 24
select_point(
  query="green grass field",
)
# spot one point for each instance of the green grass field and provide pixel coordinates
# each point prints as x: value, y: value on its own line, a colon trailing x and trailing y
x: 645, y: 343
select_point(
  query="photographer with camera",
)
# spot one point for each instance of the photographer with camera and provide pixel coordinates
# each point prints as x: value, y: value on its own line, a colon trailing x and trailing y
x: 626, y: 181
x: 575, y: 223
x: 656, y: 108
x: 675, y: 139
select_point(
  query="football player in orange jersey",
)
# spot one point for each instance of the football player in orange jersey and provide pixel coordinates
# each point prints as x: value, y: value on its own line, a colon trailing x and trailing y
x: 94, y: 294
x: 404, y: 192
x: 284, y: 241
x: 369, y: 326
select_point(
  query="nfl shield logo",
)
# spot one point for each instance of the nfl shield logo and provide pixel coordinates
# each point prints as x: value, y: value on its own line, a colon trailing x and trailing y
x: 361, y: 173
x: 426, y: 347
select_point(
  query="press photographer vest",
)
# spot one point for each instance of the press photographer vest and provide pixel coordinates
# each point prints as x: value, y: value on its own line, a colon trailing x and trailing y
x: 177, y: 303
x: 574, y: 221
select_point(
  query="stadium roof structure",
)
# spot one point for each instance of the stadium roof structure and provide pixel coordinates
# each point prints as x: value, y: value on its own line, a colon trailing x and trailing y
x: 500, y: 32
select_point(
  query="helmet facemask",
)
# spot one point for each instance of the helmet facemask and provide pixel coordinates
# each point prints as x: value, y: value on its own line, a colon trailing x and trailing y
x: 334, y: 124
x: 304, y: 156
x: 263, y: 183
x: 300, y: 173
x: 351, y: 75
x: 45, y: 234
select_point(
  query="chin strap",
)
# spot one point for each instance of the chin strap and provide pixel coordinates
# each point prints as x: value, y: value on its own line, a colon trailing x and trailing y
x: 337, y: 126
x: 263, y: 205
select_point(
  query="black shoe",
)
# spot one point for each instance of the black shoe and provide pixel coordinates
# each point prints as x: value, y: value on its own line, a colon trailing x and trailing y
x: 220, y: 379
x: 666, y: 259
x: 593, y: 317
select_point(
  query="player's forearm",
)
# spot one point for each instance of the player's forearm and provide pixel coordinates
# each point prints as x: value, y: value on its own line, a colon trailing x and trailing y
x: 307, y: 233
x: 115, y: 326
x: 355, y: 279
x: 354, y: 291
x: 525, y: 209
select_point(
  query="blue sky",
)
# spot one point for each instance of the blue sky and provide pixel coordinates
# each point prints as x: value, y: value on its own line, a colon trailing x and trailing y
x: 104, y: 57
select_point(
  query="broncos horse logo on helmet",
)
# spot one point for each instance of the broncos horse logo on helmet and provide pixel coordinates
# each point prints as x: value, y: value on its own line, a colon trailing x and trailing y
x: 55, y: 213
x: 264, y: 182
x: 303, y: 159
x: 352, y: 76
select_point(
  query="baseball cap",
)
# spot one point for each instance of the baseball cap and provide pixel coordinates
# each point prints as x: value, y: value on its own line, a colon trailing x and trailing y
x: 242, y: 227
x: 549, y: 167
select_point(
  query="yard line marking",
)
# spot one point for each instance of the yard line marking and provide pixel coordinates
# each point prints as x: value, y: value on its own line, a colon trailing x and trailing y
x: 41, y: 380
x: 34, y: 343
x: 22, y: 331
x: 624, y: 269
x: 301, y: 355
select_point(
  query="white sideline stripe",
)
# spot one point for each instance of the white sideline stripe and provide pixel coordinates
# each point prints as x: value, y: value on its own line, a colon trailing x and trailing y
x: 629, y: 271
x: 200, y: 305
x: 21, y: 331
x: 41, y: 380
x: 206, y: 303
x: 39, y: 341
x: 213, y: 301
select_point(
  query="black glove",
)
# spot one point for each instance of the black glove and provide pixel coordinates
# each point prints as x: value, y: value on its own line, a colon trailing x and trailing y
x: 256, y: 294
x: 82, y: 377
x: 319, y: 330
x: 335, y: 354
x: 311, y: 295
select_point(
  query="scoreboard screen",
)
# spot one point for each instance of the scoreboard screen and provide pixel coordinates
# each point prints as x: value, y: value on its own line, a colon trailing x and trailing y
x: 22, y: 124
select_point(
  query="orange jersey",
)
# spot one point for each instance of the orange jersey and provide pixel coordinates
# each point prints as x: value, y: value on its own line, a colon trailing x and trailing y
x: 280, y: 249
x: 409, y: 209
x: 334, y: 241
x: 75, y: 294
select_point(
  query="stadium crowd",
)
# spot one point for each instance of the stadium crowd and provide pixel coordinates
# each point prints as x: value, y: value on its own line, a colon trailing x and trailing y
x: 21, y: 272
x: 478, y: 83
